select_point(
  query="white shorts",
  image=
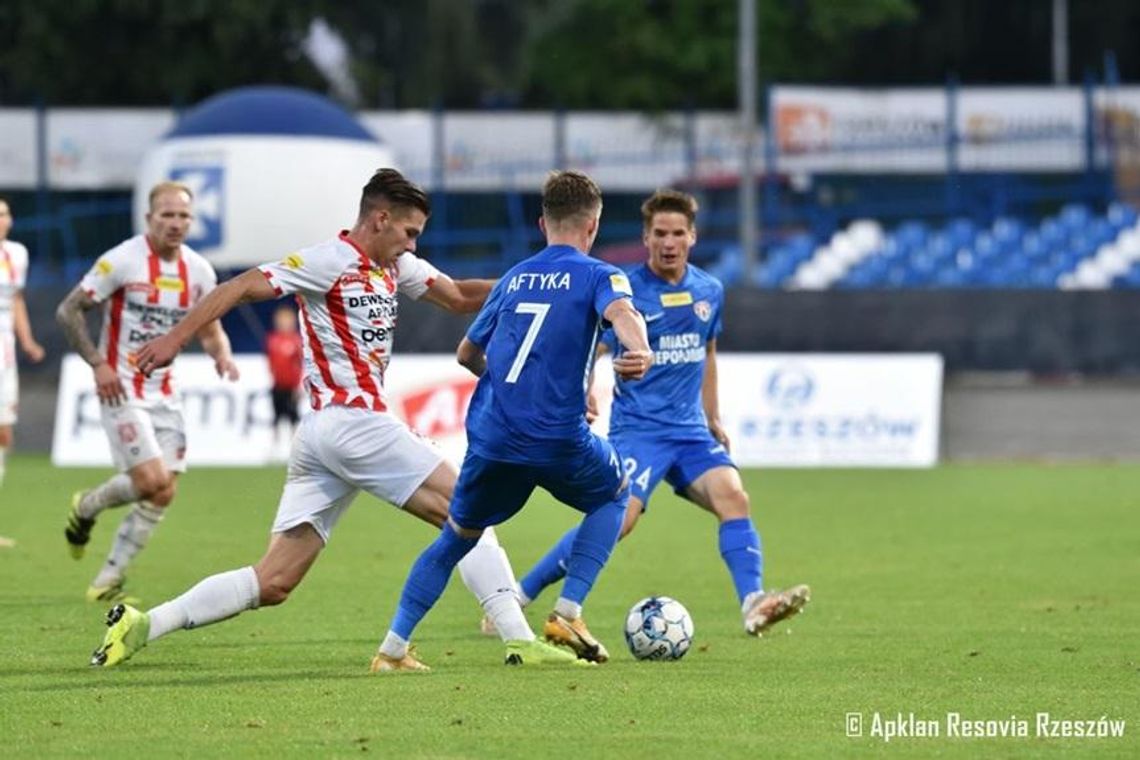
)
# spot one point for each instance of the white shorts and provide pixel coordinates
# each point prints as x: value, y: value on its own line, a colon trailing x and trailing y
x: 9, y: 394
x: 138, y: 434
x: 338, y: 452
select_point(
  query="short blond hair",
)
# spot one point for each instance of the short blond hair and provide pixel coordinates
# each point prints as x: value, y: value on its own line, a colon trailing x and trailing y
x: 168, y: 186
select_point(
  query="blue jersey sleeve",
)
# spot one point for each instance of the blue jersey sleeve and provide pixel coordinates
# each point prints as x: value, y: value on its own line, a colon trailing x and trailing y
x: 718, y: 309
x: 611, y: 285
x: 480, y: 330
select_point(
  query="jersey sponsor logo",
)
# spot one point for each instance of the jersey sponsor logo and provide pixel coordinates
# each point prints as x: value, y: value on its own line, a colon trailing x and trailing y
x: 684, y: 348
x: 620, y: 284
x: 703, y: 310
x: 684, y: 298
x: 375, y: 334
x: 542, y: 281
x: 173, y: 284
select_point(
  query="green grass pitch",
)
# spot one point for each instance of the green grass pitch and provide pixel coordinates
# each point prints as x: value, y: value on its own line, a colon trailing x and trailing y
x: 994, y: 591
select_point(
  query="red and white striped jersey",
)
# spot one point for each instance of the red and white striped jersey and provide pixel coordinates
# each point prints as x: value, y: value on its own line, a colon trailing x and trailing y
x: 144, y: 296
x: 348, y: 316
x: 13, y: 272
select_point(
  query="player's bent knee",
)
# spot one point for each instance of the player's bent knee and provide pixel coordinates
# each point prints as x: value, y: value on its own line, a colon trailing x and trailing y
x: 151, y: 484
x: 733, y: 505
x: 163, y: 497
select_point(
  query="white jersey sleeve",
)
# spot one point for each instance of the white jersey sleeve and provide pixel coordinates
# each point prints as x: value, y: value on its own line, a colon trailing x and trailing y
x: 203, y: 276
x: 107, y: 274
x: 312, y: 270
x: 414, y: 276
x: 18, y: 261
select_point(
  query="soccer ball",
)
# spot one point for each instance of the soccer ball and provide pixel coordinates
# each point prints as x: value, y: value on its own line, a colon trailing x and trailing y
x: 658, y: 628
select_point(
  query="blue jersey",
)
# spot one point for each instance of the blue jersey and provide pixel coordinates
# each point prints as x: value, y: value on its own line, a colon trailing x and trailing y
x: 539, y: 328
x: 681, y: 320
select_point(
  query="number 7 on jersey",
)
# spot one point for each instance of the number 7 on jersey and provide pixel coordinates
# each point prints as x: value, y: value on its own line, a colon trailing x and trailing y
x: 539, y: 311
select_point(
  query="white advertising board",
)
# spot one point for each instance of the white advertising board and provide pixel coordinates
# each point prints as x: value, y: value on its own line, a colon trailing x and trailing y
x: 783, y: 410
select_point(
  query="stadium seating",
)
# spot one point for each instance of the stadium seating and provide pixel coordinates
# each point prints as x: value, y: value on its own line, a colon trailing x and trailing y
x: 1073, y: 250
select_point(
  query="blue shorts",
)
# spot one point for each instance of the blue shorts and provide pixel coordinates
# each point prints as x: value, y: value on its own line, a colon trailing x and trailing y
x: 648, y: 459
x: 489, y: 492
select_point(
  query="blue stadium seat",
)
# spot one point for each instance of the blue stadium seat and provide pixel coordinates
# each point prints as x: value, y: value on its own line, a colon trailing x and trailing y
x: 1121, y: 215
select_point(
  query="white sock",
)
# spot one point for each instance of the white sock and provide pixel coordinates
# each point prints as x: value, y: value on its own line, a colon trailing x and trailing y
x: 215, y: 598
x: 568, y: 609
x: 133, y: 534
x: 115, y: 491
x: 487, y: 573
x: 393, y: 646
x: 3, y: 462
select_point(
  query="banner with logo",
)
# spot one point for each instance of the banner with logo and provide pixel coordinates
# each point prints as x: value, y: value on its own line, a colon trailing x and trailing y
x: 837, y: 410
x: 908, y: 129
x: 787, y: 410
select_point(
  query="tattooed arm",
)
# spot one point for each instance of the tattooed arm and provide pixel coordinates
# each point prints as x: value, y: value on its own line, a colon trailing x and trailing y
x: 71, y: 315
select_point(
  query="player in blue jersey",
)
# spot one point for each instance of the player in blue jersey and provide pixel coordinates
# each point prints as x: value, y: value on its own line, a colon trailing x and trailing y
x: 668, y: 424
x: 532, y: 347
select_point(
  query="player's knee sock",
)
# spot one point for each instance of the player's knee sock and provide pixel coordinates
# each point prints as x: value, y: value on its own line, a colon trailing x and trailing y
x: 216, y: 598
x: 487, y: 572
x: 551, y: 568
x: 740, y: 548
x: 133, y: 534
x: 428, y: 578
x: 3, y: 463
x: 115, y: 491
x: 597, y: 536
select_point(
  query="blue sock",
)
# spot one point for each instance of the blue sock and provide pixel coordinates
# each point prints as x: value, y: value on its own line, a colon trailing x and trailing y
x: 428, y: 578
x: 597, y: 536
x: 740, y: 548
x: 550, y: 568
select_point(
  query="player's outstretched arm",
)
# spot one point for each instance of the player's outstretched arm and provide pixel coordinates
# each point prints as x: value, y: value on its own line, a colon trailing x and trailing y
x: 710, y: 396
x: 248, y: 287
x: 629, y: 326
x: 458, y: 296
x: 472, y: 357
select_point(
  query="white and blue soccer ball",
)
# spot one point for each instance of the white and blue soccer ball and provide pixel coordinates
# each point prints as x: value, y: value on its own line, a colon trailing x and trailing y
x: 658, y: 628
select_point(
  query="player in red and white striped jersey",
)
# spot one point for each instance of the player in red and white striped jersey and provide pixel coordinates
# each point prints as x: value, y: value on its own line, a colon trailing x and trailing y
x: 146, y: 285
x: 347, y: 289
x: 14, y: 326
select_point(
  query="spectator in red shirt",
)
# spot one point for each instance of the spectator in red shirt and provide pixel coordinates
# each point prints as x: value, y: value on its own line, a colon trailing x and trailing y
x: 283, y: 349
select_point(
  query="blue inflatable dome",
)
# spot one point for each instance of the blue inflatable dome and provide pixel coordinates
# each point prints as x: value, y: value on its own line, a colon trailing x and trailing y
x: 286, y: 111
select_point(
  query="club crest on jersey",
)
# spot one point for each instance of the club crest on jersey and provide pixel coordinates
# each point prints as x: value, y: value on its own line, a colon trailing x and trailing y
x: 293, y: 261
x: 383, y: 276
x: 703, y: 310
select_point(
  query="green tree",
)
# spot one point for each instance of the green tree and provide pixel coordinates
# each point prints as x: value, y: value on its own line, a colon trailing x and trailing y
x: 655, y: 54
x: 127, y: 52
